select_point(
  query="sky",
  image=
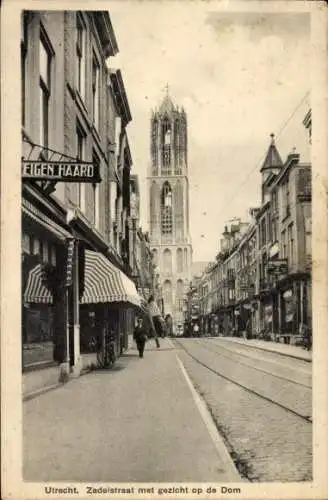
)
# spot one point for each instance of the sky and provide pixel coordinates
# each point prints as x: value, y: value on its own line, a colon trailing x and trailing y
x: 240, y: 77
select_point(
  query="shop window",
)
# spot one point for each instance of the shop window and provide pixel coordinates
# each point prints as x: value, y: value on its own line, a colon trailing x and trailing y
x: 45, y: 56
x: 80, y: 56
x: 45, y: 252
x: 53, y: 257
x: 26, y: 243
x: 36, y: 246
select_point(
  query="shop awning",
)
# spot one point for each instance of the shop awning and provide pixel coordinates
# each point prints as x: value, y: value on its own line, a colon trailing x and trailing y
x: 36, y: 215
x: 35, y: 291
x: 103, y: 282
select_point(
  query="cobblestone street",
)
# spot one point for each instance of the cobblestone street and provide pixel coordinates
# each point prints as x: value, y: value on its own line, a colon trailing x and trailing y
x: 267, y: 442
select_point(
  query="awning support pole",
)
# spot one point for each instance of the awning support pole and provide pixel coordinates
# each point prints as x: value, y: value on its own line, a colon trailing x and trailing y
x: 65, y: 366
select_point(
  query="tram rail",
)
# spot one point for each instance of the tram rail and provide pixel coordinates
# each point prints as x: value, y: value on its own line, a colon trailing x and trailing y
x: 292, y: 381
x: 305, y: 418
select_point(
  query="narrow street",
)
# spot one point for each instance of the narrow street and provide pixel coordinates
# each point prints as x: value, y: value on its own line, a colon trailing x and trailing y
x: 144, y: 421
x: 136, y: 422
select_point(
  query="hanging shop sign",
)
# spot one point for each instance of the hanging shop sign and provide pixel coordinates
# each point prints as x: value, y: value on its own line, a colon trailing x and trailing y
x: 274, y: 250
x: 277, y: 266
x: 61, y: 171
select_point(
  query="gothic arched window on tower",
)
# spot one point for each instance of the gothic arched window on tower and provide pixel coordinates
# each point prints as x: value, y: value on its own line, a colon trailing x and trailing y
x: 177, y: 148
x: 166, y: 209
x: 167, y: 292
x: 185, y: 254
x: 166, y: 147
x: 154, y: 147
x: 178, y: 207
x: 179, y: 260
x: 167, y: 261
x: 154, y: 208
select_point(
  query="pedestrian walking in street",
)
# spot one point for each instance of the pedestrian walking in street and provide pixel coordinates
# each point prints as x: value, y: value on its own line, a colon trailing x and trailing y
x: 155, y: 316
x: 140, y: 337
x: 196, y: 330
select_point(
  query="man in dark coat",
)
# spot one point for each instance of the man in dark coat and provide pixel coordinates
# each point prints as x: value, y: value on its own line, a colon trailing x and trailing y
x: 140, y: 337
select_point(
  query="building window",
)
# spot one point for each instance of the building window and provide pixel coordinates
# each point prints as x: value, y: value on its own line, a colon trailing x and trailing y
x: 80, y: 56
x: 23, y: 63
x: 283, y: 241
x: 96, y: 218
x: 95, y: 91
x: 287, y: 202
x: 166, y: 209
x: 290, y: 245
x: 45, y: 54
x: 80, y: 155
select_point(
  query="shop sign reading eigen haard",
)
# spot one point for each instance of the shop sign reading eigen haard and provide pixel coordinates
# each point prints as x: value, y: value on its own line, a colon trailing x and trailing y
x: 60, y: 171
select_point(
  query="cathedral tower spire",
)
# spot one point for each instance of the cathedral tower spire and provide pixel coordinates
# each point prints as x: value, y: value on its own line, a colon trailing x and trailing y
x: 169, y: 203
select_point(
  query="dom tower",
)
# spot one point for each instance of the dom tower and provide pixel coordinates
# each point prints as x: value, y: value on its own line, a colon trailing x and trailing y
x: 169, y: 205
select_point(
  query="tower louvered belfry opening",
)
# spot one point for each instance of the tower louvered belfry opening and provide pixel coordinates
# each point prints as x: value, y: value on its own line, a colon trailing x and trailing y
x: 169, y: 205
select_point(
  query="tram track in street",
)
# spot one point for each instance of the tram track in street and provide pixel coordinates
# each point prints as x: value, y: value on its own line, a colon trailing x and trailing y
x: 292, y: 381
x: 305, y: 418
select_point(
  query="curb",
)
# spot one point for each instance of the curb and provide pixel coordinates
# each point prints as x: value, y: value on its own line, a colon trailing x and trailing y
x: 288, y: 355
x: 52, y: 387
x: 212, y: 429
x: 39, y: 392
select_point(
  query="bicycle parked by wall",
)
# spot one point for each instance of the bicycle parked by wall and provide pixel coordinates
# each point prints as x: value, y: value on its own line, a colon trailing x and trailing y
x: 106, y: 353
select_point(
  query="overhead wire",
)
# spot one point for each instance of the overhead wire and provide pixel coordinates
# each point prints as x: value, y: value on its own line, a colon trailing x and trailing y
x: 282, y: 128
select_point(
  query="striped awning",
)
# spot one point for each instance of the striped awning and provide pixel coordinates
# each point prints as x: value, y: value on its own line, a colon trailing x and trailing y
x: 103, y: 282
x: 35, y: 291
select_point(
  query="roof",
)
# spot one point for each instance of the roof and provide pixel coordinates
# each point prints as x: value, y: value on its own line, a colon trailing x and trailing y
x: 273, y: 158
x: 120, y: 95
x: 106, y: 32
x: 167, y: 105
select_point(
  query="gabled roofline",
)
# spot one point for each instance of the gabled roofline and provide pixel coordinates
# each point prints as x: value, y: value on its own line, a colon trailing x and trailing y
x: 292, y: 159
x: 262, y: 209
x: 106, y: 32
x: 120, y: 95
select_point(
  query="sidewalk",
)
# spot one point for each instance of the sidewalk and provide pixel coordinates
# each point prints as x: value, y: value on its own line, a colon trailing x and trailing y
x: 276, y: 347
x: 136, y: 422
